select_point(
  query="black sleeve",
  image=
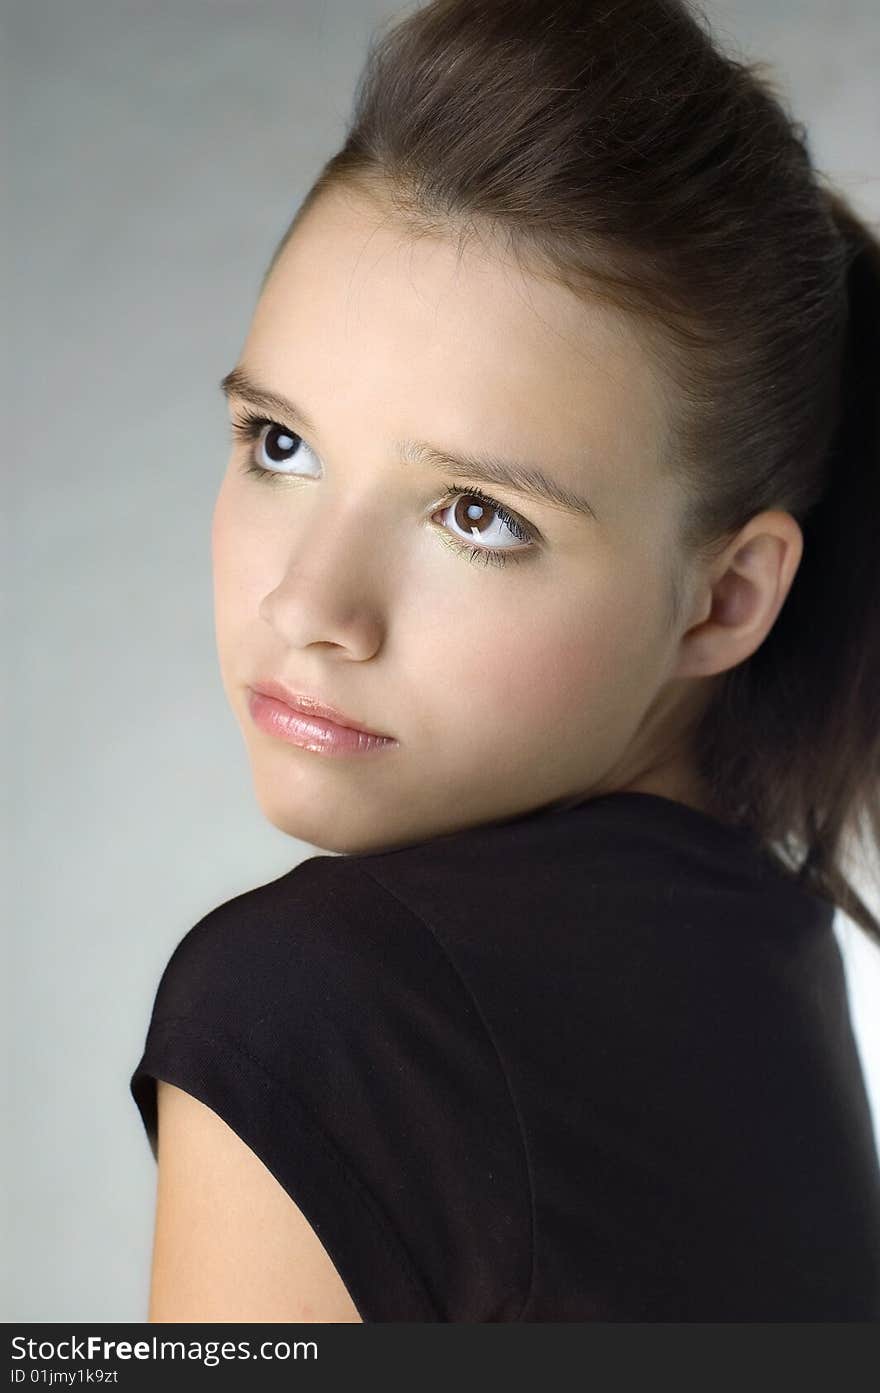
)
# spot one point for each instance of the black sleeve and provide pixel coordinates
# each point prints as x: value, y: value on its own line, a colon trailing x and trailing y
x: 323, y: 1022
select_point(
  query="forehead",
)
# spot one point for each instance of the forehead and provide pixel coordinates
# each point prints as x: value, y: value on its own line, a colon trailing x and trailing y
x: 454, y: 343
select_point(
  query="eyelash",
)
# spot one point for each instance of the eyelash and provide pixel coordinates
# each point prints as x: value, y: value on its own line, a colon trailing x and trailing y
x: 248, y: 427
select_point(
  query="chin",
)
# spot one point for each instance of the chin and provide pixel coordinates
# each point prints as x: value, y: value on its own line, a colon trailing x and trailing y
x: 324, y: 829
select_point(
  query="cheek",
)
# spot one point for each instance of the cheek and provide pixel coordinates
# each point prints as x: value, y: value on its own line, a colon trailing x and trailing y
x: 589, y: 659
x: 241, y: 559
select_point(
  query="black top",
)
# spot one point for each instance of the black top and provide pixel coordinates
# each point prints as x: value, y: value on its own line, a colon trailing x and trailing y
x: 586, y: 1064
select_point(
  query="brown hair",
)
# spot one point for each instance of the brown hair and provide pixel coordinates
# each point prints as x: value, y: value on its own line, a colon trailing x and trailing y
x: 616, y: 149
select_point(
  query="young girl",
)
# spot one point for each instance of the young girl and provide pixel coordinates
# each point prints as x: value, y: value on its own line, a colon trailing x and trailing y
x: 547, y: 574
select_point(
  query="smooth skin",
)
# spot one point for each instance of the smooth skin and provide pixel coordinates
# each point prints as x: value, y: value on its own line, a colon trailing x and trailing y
x: 229, y: 1243
x: 541, y: 682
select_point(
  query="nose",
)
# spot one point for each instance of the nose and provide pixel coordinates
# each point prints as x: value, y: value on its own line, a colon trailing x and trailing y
x: 329, y: 589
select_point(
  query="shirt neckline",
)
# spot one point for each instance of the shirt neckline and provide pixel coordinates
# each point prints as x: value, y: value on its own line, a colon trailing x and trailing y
x: 686, y: 812
x: 724, y: 835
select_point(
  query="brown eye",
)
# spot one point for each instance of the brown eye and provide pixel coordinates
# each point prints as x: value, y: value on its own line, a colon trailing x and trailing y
x: 279, y: 442
x: 278, y: 448
x: 475, y: 515
x: 273, y: 447
x: 472, y: 515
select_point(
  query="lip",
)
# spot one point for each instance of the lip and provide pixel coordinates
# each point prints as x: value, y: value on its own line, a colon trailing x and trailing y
x: 315, y: 725
x: 310, y: 706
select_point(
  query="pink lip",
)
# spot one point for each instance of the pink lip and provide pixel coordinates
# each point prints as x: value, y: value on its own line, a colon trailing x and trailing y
x: 314, y: 725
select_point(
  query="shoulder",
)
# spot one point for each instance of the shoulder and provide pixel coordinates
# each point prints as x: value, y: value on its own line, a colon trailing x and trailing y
x: 318, y: 1017
x: 287, y: 983
x: 263, y: 964
x: 324, y: 906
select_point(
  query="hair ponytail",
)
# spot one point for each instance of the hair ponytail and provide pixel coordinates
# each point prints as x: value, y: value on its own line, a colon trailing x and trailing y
x: 796, y: 729
x: 619, y: 150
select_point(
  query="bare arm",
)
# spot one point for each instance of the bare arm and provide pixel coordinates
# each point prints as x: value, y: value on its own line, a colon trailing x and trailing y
x: 229, y: 1242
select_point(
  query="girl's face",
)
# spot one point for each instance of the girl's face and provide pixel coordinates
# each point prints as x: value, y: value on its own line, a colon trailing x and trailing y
x: 517, y: 647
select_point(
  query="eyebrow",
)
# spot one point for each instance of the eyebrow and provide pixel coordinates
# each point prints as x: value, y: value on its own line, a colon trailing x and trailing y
x: 528, y: 480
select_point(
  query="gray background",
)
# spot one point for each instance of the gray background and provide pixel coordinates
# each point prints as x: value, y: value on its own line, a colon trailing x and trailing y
x: 157, y: 150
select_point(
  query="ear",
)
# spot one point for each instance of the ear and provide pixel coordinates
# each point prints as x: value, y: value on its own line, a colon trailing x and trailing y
x: 739, y: 594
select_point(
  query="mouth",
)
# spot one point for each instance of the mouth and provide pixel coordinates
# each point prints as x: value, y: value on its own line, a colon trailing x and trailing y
x: 303, y: 704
